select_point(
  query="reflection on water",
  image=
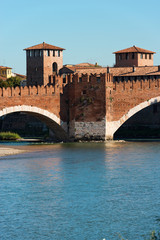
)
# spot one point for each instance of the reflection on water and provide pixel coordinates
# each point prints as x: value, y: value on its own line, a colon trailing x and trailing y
x: 81, y: 191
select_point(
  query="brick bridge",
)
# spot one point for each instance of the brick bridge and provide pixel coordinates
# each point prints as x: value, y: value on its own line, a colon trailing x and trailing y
x: 82, y: 106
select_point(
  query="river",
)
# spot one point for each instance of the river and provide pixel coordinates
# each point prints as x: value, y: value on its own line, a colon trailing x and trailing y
x: 81, y: 191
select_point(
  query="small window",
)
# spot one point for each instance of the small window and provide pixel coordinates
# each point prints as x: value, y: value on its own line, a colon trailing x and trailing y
x: 58, y: 53
x: 146, y: 56
x: 133, y: 55
x: 54, y: 67
x: 80, y: 79
x: 53, y: 53
x: 120, y: 56
x: 141, y: 55
x: 32, y: 53
x: 150, y: 56
x: 98, y: 79
x: 127, y: 56
x: 28, y: 53
x: 64, y: 79
x: 48, y: 53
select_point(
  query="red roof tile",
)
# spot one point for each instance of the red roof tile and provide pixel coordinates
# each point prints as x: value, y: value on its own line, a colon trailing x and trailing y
x: 134, y: 49
x: 84, y: 65
x: 5, y: 67
x: 44, y: 46
x: 119, y: 71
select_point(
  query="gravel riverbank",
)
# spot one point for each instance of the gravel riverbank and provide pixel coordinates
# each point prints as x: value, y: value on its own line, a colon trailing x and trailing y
x: 10, y: 151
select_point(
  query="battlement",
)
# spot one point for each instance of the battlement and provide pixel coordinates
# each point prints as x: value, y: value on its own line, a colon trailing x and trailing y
x: 27, y: 91
x: 59, y: 82
x: 140, y: 84
x: 81, y: 78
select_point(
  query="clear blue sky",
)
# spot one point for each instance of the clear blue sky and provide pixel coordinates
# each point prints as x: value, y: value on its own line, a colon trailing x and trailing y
x: 89, y: 30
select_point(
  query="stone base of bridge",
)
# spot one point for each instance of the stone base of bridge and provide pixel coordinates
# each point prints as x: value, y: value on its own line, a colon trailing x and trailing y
x: 111, y: 128
x: 87, y: 130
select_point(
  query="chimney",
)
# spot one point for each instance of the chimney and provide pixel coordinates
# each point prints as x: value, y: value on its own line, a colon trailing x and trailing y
x: 134, y: 69
x: 108, y: 70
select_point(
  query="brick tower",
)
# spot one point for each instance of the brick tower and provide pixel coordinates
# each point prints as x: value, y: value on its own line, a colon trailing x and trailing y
x: 134, y: 56
x: 43, y: 61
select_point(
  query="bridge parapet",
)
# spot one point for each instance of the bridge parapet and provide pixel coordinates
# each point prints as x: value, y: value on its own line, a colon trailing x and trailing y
x: 28, y: 91
x: 140, y: 84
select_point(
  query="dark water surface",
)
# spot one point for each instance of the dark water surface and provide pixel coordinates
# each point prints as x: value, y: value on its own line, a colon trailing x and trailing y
x: 81, y: 191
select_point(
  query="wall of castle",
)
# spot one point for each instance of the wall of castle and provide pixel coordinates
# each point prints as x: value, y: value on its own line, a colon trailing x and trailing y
x: 48, y: 64
x: 40, y: 66
x: 123, y: 96
x: 133, y: 59
x: 34, y: 70
x: 145, y: 59
x: 91, y: 106
x: 124, y: 99
x: 126, y: 61
x: 46, y: 98
x: 87, y: 107
x: 87, y: 130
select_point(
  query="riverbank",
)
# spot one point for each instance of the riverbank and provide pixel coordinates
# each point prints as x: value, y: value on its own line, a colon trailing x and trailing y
x: 10, y: 151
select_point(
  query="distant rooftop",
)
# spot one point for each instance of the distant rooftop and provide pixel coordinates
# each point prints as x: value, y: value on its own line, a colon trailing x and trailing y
x: 3, y: 67
x: 44, y: 46
x: 82, y: 65
x: 134, y: 49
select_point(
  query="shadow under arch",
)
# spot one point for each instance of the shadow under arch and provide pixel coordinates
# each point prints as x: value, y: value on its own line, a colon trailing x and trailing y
x: 51, y: 120
x: 112, y: 127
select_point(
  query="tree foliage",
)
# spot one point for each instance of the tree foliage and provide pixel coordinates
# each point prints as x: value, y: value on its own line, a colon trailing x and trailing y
x: 10, y: 82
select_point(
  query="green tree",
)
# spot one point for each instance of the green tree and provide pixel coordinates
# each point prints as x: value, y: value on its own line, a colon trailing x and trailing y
x: 10, y: 82
x: 13, y: 82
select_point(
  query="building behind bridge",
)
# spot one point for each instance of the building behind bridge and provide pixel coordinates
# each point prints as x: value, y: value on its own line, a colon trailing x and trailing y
x: 44, y: 61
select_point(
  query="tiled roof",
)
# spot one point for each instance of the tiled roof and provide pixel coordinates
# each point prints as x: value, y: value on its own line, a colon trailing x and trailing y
x: 3, y: 78
x: 84, y: 65
x: 119, y: 71
x: 20, y: 75
x: 2, y: 67
x: 44, y: 46
x: 134, y: 49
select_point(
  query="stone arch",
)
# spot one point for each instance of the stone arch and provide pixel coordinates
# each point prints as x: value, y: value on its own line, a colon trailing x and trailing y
x: 52, y: 121
x: 112, y: 127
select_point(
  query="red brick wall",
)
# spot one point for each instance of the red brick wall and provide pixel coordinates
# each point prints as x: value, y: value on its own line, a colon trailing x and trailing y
x: 84, y: 98
x: 122, y: 96
x: 137, y: 61
x: 47, y: 98
x: 87, y: 98
x: 39, y: 68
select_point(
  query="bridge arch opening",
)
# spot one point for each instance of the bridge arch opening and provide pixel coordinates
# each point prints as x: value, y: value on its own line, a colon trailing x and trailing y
x: 141, y: 122
x: 57, y: 129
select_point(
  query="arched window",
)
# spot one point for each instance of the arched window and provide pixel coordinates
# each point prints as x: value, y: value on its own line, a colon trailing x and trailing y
x: 54, y: 67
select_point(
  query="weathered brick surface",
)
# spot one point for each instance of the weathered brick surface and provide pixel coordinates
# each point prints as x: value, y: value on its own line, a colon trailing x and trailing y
x: 46, y: 98
x: 123, y: 96
x: 40, y: 68
x: 88, y: 105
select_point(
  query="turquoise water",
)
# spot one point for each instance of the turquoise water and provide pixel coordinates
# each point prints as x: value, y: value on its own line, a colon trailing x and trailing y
x: 81, y: 191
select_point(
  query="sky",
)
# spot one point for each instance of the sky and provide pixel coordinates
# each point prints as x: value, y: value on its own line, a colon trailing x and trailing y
x: 89, y: 30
